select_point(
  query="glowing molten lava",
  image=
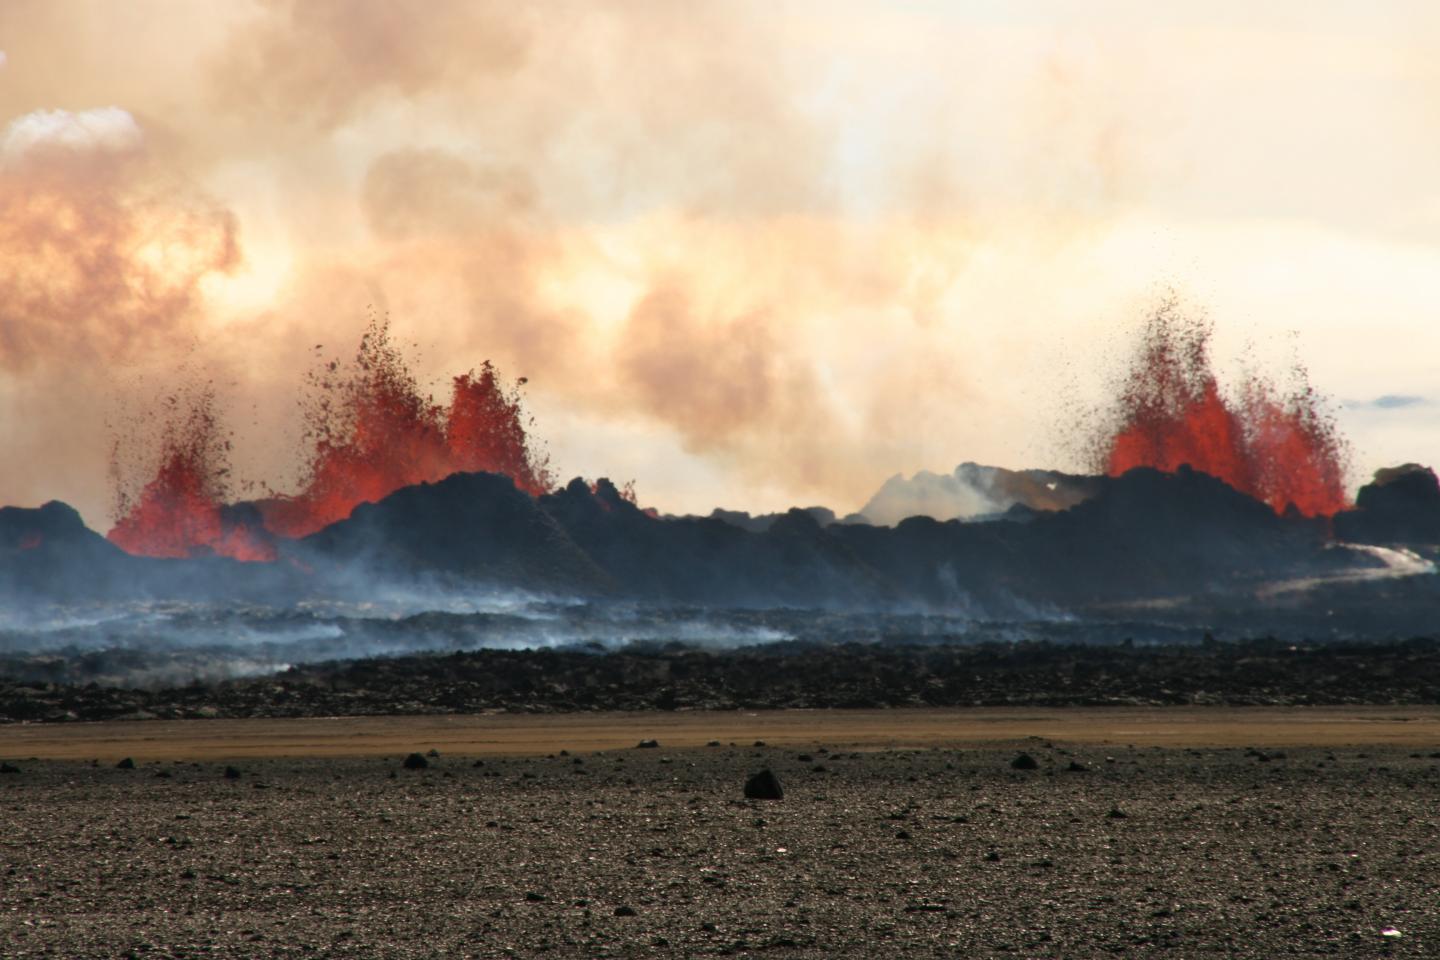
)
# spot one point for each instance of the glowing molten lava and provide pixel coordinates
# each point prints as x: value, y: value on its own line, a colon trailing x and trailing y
x: 1280, y: 449
x: 372, y: 433
x: 180, y: 512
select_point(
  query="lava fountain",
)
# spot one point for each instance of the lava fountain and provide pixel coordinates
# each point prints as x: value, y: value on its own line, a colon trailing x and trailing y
x: 181, y: 512
x: 1280, y: 448
x: 370, y: 432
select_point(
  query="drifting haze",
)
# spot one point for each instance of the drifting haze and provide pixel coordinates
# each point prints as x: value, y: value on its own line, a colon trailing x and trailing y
x: 747, y: 255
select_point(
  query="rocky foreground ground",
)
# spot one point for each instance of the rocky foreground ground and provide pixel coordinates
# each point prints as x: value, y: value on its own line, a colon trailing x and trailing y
x: 1096, y: 852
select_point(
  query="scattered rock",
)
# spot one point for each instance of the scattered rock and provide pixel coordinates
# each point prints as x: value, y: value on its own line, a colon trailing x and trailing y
x: 415, y: 761
x: 9, y: 768
x: 764, y: 786
x: 232, y: 773
x: 828, y: 676
x: 1024, y: 762
x: 1117, y: 814
x: 648, y: 745
x: 1076, y: 767
x: 624, y: 911
x: 126, y: 764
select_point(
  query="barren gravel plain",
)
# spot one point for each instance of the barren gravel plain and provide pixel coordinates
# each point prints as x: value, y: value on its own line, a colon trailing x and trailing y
x: 1182, y: 832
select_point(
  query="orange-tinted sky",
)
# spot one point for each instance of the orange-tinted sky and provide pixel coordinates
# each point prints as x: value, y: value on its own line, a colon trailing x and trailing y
x: 748, y: 254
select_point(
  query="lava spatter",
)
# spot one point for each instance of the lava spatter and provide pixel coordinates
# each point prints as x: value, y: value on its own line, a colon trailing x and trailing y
x: 1296, y: 453
x: 1279, y: 448
x: 369, y: 432
x: 1171, y: 409
x: 180, y: 512
x: 373, y: 433
x: 485, y: 430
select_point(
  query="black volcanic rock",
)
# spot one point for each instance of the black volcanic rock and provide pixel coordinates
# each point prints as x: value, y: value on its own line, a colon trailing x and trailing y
x: 1149, y: 533
x: 54, y: 523
x: 1141, y: 536
x: 709, y: 561
x: 824, y: 516
x: 1401, y: 505
x: 809, y: 676
x: 764, y: 786
x: 49, y: 551
x: 48, y: 555
x: 1144, y: 534
x: 472, y: 526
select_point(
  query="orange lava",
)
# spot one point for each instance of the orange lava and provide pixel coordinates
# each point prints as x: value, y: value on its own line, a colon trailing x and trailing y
x: 1280, y: 449
x: 179, y: 513
x: 374, y: 433
x: 371, y: 433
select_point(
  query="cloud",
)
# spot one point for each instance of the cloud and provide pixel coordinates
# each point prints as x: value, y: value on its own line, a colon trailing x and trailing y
x: 1391, y: 401
x: 1396, y: 401
x: 323, y: 62
x: 50, y: 136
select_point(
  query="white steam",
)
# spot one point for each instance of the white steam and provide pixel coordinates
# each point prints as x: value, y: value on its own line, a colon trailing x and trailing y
x: 971, y: 492
x: 46, y: 134
x: 942, y: 496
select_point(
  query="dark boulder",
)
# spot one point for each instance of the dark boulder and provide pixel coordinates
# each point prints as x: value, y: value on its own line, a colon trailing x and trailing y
x: 764, y: 786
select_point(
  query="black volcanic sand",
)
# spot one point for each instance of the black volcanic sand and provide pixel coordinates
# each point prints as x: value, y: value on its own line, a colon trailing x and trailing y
x: 1146, y: 851
x: 779, y: 675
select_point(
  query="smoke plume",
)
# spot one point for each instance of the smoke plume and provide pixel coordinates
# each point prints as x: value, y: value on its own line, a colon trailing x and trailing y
x: 102, y: 260
x: 744, y: 254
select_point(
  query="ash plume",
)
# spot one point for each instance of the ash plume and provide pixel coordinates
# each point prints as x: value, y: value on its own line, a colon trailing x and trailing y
x: 901, y: 223
x: 104, y: 259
